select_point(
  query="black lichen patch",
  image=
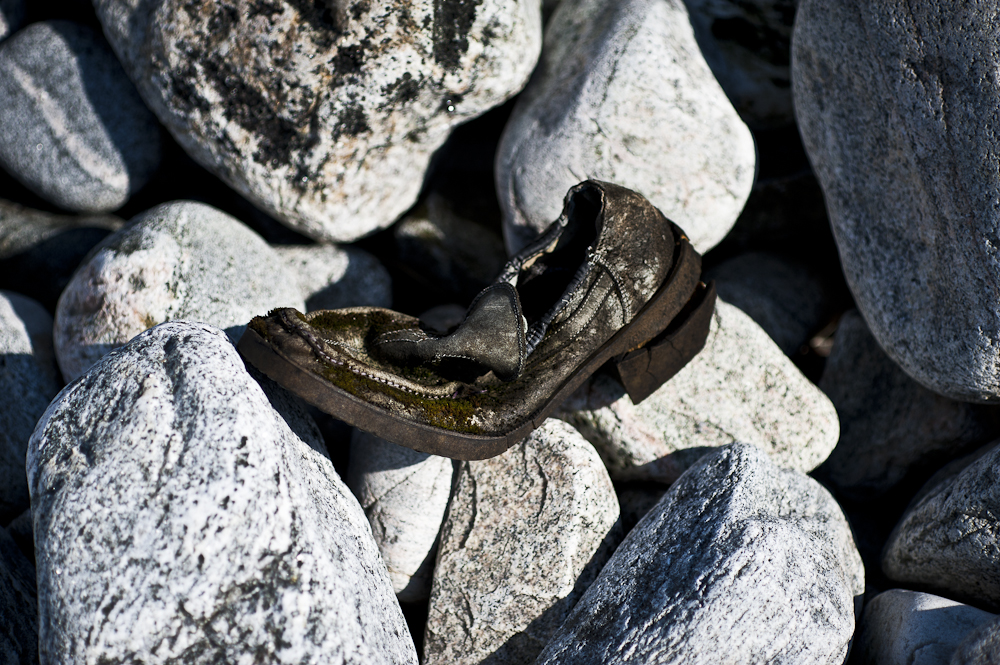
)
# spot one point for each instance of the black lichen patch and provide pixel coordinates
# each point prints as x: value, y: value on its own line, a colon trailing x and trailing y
x: 183, y: 92
x: 359, y: 9
x: 452, y: 21
x: 318, y: 16
x: 402, y: 90
x: 348, y: 60
x: 351, y: 121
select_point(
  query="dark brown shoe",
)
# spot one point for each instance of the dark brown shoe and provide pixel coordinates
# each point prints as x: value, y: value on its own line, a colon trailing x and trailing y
x: 611, y: 280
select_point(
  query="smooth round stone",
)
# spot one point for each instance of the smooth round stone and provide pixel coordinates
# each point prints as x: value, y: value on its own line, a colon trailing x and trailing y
x: 332, y: 277
x: 897, y: 106
x: 11, y: 16
x: 183, y: 514
x: 180, y: 260
x: 623, y: 94
x: 75, y: 130
x: 324, y: 114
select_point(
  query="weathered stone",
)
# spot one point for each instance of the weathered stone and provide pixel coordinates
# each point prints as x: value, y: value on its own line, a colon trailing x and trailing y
x: 180, y: 260
x: 891, y: 427
x: 332, y: 277
x: 635, y: 502
x: 183, y: 516
x: 948, y: 540
x: 622, y: 94
x: 11, y: 16
x: 404, y: 494
x: 18, y: 606
x: 980, y: 647
x: 525, y: 534
x: 75, y: 131
x: 909, y: 628
x: 741, y: 387
x: 324, y: 114
x: 897, y: 104
x: 740, y: 562
x: 28, y: 381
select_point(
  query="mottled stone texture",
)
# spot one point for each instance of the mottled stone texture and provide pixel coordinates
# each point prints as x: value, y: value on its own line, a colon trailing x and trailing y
x: 404, y: 494
x: 741, y: 387
x: 948, y: 540
x: 179, y: 517
x: 899, y: 109
x: 622, y: 94
x: 740, y: 562
x: 333, y: 277
x: 325, y: 114
x: 980, y: 647
x: 909, y: 628
x: 525, y: 534
x: 18, y: 606
x: 180, y: 260
x: 74, y: 130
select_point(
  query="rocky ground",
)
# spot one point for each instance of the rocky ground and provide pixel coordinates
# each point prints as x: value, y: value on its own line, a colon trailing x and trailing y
x: 819, y: 485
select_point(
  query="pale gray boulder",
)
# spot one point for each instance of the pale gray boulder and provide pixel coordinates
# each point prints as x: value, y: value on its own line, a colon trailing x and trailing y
x: 740, y: 562
x: 332, y: 277
x: 980, y: 647
x: 901, y: 627
x: 182, y: 515
x: 948, y: 540
x: 741, y: 387
x: 623, y: 94
x: 11, y: 16
x: 897, y: 105
x: 179, y: 260
x: 18, y: 606
x: 28, y: 380
x: 891, y: 427
x: 75, y: 131
x: 525, y: 534
x: 404, y: 494
x: 323, y: 114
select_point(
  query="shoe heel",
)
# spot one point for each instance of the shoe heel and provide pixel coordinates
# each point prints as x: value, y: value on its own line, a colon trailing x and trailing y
x: 647, y: 368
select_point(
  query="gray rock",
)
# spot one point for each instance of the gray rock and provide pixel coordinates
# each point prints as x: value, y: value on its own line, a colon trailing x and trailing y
x: 11, y: 16
x: 980, y: 647
x: 75, y: 131
x: 28, y: 381
x: 622, y: 94
x: 18, y: 606
x: 748, y: 47
x: 635, y: 502
x: 179, y: 517
x: 332, y: 277
x: 948, y: 540
x: 891, y: 427
x: 786, y: 299
x: 741, y: 387
x: 897, y: 108
x: 525, y: 534
x: 909, y: 628
x: 404, y: 494
x: 180, y: 260
x: 740, y: 562
x: 324, y: 114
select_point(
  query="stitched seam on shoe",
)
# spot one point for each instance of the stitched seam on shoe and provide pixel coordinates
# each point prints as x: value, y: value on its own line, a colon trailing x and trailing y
x: 626, y: 306
x: 582, y: 328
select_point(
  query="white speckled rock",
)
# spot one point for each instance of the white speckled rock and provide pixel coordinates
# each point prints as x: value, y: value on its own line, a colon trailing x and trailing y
x: 890, y: 425
x: 11, y: 16
x: 525, y: 534
x: 333, y: 277
x: 75, y: 131
x: 180, y: 518
x: 897, y: 106
x: 748, y: 47
x: 18, y: 606
x: 948, y: 540
x: 180, y: 260
x: 740, y: 562
x: 622, y: 94
x: 28, y: 381
x: 324, y: 114
x: 404, y: 494
x: 980, y: 647
x: 741, y: 387
x: 909, y: 628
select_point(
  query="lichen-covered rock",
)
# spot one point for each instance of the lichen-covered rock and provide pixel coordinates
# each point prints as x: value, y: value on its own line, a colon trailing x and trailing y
x: 741, y: 387
x: 525, y: 534
x: 28, y: 380
x: 11, y: 15
x: 740, y: 562
x: 325, y: 114
x: 404, y: 494
x: 980, y: 647
x: 909, y: 628
x: 180, y: 260
x: 333, y: 277
x: 622, y: 94
x: 18, y: 606
x: 75, y: 131
x: 897, y: 104
x: 183, y: 516
x: 948, y: 540
x: 890, y: 426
